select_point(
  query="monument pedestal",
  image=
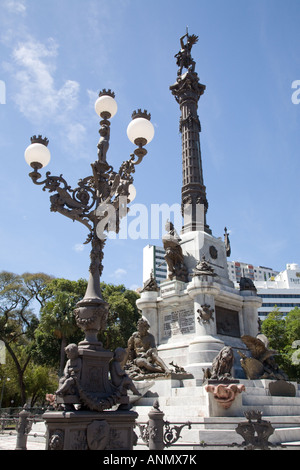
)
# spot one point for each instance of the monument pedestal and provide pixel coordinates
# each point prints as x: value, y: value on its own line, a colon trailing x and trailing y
x: 193, y: 321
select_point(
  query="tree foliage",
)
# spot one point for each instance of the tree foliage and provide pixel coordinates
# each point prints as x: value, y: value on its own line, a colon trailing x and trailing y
x: 58, y: 328
x: 282, y: 332
x: 57, y: 325
x: 18, y: 320
x: 123, y: 315
x: 38, y: 379
x: 35, y: 342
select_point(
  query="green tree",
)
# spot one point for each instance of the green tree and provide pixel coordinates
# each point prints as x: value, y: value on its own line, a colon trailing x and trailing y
x: 293, y: 325
x: 274, y: 327
x: 123, y: 315
x: 40, y: 380
x: 18, y: 320
x: 281, y: 333
x: 58, y: 328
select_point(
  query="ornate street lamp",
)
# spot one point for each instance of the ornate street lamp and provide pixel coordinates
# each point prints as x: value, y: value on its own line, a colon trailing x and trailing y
x: 103, y: 188
x: 89, y: 203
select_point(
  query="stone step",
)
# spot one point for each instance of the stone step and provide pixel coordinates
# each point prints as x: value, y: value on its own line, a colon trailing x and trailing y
x: 230, y: 436
x: 193, y: 412
x: 250, y: 385
x: 258, y: 400
x: 188, y: 392
x: 282, y: 435
x: 173, y: 401
x: 191, y: 405
x: 184, y: 413
x: 215, y: 436
x: 197, y: 391
x: 274, y: 410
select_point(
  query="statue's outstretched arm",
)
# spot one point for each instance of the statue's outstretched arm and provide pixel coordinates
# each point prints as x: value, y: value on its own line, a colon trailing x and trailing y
x: 181, y: 40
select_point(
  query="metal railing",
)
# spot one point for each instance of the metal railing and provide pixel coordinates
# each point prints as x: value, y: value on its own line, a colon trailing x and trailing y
x: 20, y: 423
x: 158, y: 434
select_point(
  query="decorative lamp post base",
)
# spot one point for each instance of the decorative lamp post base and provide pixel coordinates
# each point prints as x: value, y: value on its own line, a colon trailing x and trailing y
x: 86, y: 430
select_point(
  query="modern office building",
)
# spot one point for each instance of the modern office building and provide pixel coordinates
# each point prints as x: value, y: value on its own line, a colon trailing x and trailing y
x: 154, y: 261
x: 281, y: 291
x: 277, y: 289
x: 237, y: 269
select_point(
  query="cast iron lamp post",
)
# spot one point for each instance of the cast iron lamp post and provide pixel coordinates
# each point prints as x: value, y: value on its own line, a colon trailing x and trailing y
x: 89, y: 202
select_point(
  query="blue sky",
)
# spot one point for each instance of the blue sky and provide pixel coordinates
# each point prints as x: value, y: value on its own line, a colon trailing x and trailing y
x: 57, y: 55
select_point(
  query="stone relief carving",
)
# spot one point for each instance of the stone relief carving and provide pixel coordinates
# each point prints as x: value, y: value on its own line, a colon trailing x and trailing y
x: 225, y: 394
x: 213, y: 252
x: 78, y: 439
x: 98, y: 435
x: 56, y: 441
x: 205, y: 313
x: 203, y: 268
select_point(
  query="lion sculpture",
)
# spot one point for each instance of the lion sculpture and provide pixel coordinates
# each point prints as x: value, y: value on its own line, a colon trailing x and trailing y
x: 221, y: 366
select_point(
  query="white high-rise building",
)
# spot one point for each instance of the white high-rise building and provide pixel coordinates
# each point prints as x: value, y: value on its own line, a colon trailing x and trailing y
x: 281, y: 291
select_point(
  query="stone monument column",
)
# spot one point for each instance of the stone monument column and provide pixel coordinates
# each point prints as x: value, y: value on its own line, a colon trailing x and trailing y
x: 187, y: 91
x: 198, y: 310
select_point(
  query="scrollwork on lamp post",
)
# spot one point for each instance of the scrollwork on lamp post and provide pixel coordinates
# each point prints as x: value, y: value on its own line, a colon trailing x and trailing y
x: 89, y: 202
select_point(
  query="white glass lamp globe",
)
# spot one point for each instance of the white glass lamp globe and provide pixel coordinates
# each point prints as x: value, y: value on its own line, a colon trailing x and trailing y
x: 140, y: 128
x: 37, y: 153
x: 106, y: 104
x: 132, y: 193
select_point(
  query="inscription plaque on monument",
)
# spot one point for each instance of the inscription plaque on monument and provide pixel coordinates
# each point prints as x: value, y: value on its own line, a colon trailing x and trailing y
x: 181, y: 321
x: 227, y: 322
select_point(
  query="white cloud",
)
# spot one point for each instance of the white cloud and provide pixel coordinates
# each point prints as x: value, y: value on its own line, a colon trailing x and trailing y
x: 92, y: 95
x: 134, y: 287
x: 75, y: 134
x: 119, y: 273
x: 78, y: 247
x: 15, y: 6
x: 33, y: 68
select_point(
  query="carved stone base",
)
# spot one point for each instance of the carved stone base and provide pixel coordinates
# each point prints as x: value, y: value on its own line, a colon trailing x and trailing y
x: 95, y: 369
x: 86, y: 430
x: 95, y: 391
